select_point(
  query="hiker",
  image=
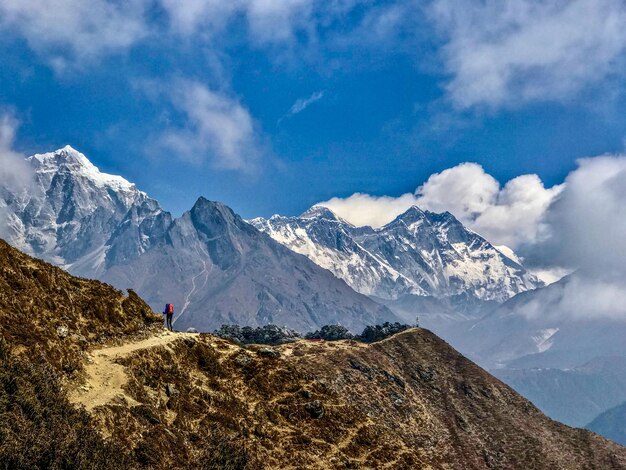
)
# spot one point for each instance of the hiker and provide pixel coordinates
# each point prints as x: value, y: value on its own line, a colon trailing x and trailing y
x: 169, y: 314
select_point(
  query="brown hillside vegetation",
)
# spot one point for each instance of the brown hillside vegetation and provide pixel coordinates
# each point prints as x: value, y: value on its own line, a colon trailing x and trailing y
x: 198, y: 401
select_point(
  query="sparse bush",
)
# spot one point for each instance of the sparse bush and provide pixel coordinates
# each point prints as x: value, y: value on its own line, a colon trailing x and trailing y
x: 373, y: 333
x: 331, y: 333
x: 267, y: 334
x: 38, y: 426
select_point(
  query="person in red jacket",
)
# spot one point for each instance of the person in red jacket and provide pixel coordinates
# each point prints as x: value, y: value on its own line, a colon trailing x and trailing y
x: 169, y: 314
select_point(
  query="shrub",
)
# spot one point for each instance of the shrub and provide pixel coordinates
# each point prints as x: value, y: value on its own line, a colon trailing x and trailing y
x: 330, y: 333
x: 267, y: 334
x: 373, y: 333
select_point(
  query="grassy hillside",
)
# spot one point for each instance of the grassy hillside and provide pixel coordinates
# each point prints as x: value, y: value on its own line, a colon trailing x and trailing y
x: 199, y: 401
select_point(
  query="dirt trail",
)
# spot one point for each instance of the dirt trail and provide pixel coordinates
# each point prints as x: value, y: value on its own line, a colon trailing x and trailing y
x: 105, y: 378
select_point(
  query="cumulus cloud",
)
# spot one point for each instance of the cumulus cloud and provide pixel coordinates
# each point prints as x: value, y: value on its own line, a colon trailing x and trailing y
x: 577, y: 227
x: 217, y: 128
x: 363, y: 209
x: 510, y: 215
x: 514, y: 52
x: 587, y: 221
x: 73, y: 30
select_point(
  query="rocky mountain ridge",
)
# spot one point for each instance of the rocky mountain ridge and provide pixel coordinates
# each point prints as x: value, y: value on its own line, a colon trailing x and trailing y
x: 419, y: 253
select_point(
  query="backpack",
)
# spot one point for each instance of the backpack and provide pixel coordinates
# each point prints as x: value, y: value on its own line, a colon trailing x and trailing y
x: 169, y: 309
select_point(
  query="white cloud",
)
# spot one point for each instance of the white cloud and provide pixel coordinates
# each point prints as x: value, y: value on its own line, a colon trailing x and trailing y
x: 70, y: 30
x: 587, y: 222
x: 302, y: 103
x: 217, y: 128
x: 509, y: 215
x: 523, y: 50
x: 363, y: 209
x: 15, y: 173
x: 268, y: 21
x: 579, y: 296
x: 577, y: 226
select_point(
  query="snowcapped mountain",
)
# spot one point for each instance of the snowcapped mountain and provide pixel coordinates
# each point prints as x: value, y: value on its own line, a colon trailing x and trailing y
x: 211, y: 264
x: 70, y: 212
x: 420, y: 253
x: 219, y: 269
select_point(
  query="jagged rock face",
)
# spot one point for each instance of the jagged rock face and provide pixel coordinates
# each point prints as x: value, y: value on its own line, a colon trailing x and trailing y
x: 419, y: 253
x: 72, y: 214
x: 218, y: 269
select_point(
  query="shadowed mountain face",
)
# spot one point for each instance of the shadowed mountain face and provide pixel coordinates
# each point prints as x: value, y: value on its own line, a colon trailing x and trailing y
x: 410, y: 401
x: 218, y: 269
x: 569, y: 363
x: 611, y: 424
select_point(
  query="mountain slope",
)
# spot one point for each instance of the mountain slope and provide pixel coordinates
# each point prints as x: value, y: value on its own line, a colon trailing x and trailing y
x: 409, y: 401
x: 70, y: 211
x: 218, y: 269
x: 569, y: 362
x: 419, y: 253
x: 572, y: 396
x: 611, y: 424
x: 213, y: 266
x: 48, y: 322
x: 532, y: 330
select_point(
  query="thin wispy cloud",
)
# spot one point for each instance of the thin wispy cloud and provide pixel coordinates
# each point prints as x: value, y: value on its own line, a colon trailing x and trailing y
x: 213, y: 127
x: 75, y: 31
x: 301, y: 104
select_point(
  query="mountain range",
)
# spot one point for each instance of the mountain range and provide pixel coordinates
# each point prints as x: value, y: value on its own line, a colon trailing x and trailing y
x: 419, y: 253
x: 89, y: 379
x: 315, y: 269
x: 217, y: 268
x: 211, y: 264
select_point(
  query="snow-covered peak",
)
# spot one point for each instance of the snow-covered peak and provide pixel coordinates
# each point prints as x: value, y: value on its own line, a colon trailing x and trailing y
x: 318, y: 211
x: 68, y: 159
x: 410, y: 216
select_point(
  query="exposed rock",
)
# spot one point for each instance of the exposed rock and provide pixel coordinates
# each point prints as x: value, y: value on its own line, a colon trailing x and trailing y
x: 243, y: 359
x: 170, y: 390
x: 268, y: 352
x: 315, y: 409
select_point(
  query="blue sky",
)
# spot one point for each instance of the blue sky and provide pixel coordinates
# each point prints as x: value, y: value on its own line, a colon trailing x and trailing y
x: 272, y: 106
